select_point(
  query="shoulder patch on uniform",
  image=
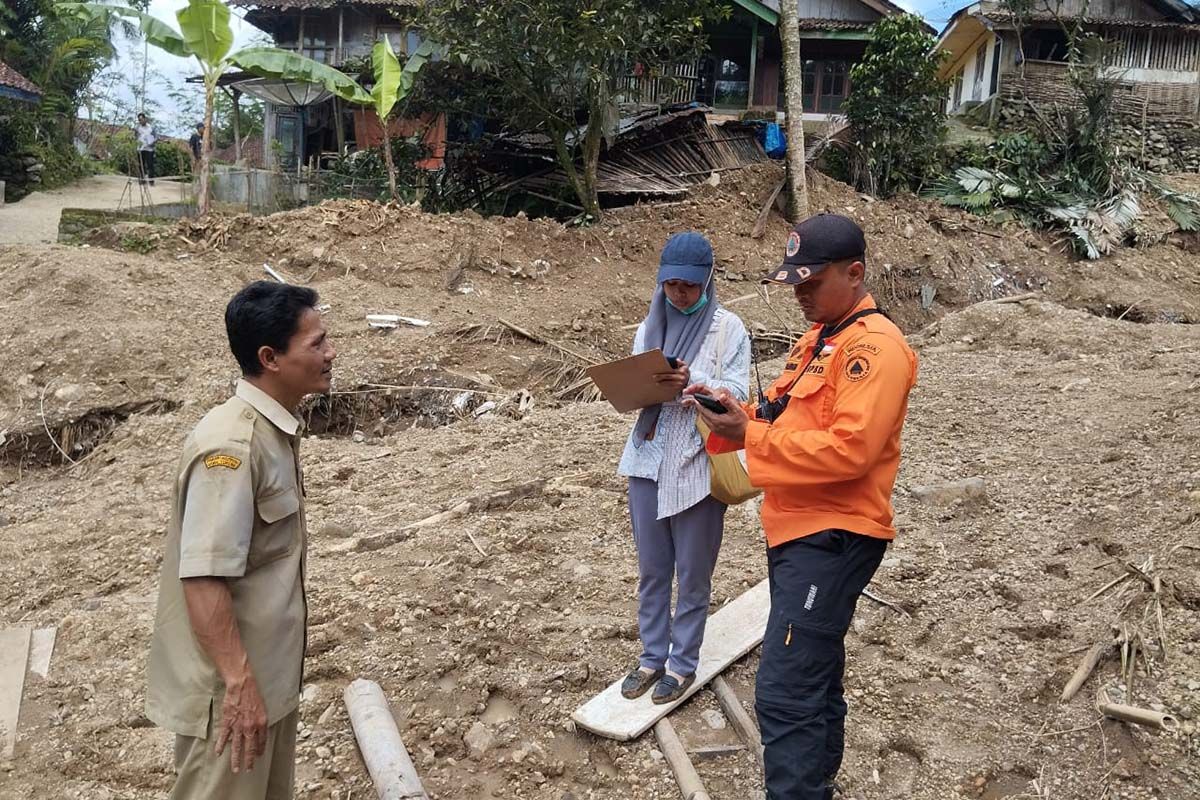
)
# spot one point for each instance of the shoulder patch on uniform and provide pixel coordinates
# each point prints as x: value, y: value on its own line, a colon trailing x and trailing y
x: 228, y: 462
x: 858, y: 367
x: 863, y: 346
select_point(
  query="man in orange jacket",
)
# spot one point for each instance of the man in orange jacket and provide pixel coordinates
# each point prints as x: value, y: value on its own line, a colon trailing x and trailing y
x: 824, y: 445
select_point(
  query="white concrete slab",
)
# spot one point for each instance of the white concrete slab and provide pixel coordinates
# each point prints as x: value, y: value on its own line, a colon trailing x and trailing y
x: 732, y: 632
x: 14, y: 655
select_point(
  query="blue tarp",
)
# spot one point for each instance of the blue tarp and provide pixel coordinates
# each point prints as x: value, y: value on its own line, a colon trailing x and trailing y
x: 774, y: 140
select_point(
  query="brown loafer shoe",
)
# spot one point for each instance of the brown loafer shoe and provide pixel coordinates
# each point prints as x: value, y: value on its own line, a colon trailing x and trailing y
x: 669, y: 690
x: 638, y: 682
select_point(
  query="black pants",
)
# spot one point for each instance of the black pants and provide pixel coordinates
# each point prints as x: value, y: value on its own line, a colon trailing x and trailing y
x: 815, y: 583
x: 147, y: 161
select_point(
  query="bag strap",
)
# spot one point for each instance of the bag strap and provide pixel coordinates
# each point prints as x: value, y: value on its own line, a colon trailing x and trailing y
x: 720, y: 349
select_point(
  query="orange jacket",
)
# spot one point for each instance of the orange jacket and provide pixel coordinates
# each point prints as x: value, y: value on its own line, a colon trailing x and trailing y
x: 830, y: 459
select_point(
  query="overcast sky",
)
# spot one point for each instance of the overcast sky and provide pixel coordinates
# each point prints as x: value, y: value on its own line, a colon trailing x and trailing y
x: 171, y: 119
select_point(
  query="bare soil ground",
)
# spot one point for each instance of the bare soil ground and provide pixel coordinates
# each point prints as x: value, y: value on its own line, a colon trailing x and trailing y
x: 1082, y: 427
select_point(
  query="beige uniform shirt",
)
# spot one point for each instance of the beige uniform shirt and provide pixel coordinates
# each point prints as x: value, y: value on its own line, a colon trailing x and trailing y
x: 237, y: 512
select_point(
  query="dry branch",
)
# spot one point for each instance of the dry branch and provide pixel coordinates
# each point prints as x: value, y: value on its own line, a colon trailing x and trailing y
x: 501, y: 499
x: 533, y: 337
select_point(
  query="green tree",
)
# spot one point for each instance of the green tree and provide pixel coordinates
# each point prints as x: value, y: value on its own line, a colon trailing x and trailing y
x: 896, y: 108
x: 62, y: 55
x: 204, y: 34
x: 557, y: 61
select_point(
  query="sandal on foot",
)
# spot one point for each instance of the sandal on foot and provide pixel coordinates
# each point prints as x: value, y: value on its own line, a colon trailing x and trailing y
x: 637, y: 682
x: 669, y: 690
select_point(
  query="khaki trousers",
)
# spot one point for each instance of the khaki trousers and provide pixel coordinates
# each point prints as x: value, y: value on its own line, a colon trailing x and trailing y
x: 200, y: 775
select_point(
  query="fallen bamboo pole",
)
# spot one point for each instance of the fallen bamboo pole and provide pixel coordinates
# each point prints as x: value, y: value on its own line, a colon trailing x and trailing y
x: 1094, y: 655
x: 391, y: 769
x: 1139, y: 716
x: 738, y: 718
x: 686, y: 776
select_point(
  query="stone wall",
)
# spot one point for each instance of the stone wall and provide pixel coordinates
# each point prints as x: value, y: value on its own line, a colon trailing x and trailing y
x: 76, y: 223
x: 21, y: 174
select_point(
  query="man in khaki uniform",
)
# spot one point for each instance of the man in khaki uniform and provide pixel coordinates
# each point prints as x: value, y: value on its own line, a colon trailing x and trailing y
x: 227, y: 654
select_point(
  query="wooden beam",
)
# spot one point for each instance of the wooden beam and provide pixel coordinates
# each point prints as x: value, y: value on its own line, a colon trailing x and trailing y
x: 760, y: 11
x: 737, y: 716
x: 690, y: 786
x: 753, y: 62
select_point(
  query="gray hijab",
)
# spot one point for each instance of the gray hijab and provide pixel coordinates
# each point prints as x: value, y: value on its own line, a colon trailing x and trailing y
x: 688, y: 257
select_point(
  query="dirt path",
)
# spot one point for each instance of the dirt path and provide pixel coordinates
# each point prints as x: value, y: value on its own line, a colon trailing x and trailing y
x: 35, y: 218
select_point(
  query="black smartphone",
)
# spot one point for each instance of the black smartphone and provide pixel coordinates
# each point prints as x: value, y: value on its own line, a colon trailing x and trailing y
x: 711, y: 403
x: 673, y: 362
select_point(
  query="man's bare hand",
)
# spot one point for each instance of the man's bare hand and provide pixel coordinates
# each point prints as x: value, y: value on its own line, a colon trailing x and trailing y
x: 677, y: 378
x: 243, y: 725
x: 732, y: 424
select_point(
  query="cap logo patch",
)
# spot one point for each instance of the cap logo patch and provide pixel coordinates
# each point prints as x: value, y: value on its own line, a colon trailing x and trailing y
x: 793, y: 244
x: 781, y: 275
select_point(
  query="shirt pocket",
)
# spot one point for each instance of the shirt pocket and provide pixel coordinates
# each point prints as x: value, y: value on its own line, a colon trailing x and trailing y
x: 276, y: 531
x: 811, y: 400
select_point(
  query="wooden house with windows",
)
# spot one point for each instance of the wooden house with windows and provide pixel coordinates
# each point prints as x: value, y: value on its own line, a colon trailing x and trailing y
x: 1153, y: 54
x: 742, y: 68
x: 340, y: 33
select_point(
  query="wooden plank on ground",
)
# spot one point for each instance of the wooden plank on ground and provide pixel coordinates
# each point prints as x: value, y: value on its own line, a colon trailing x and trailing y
x: 14, y: 655
x: 732, y: 632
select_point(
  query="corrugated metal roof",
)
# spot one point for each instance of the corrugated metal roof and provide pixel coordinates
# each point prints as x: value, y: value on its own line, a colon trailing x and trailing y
x: 1116, y: 22
x: 811, y: 24
x: 11, y: 78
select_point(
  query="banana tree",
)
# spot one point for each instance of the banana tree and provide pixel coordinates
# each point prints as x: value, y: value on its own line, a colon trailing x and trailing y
x: 392, y: 85
x: 204, y: 34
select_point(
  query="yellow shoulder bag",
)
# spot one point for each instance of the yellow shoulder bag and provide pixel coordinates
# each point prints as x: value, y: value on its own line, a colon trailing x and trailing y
x: 730, y: 481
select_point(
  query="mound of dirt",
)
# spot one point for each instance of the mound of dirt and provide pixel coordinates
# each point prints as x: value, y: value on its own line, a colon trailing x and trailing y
x: 1080, y: 427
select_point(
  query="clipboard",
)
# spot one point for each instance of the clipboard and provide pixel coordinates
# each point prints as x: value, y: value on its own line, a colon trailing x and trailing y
x: 629, y: 384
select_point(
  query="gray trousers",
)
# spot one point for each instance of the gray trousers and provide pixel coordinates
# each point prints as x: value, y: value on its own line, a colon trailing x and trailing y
x: 686, y: 544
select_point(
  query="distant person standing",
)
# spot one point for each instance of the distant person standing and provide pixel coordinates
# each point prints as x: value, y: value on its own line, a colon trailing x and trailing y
x: 146, y: 138
x: 196, y: 143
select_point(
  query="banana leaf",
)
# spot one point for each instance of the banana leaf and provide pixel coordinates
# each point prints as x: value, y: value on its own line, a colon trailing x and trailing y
x: 205, y: 27
x: 269, y: 62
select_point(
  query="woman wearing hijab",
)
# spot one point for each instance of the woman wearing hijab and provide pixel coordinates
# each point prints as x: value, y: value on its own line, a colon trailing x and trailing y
x: 677, y: 525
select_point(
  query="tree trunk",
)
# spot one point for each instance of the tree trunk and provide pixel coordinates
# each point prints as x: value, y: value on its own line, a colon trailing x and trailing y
x: 592, y: 140
x: 576, y: 179
x: 793, y: 81
x: 387, y: 159
x: 210, y: 95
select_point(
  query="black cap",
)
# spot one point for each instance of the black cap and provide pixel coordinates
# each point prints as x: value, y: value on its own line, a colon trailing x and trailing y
x: 816, y: 243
